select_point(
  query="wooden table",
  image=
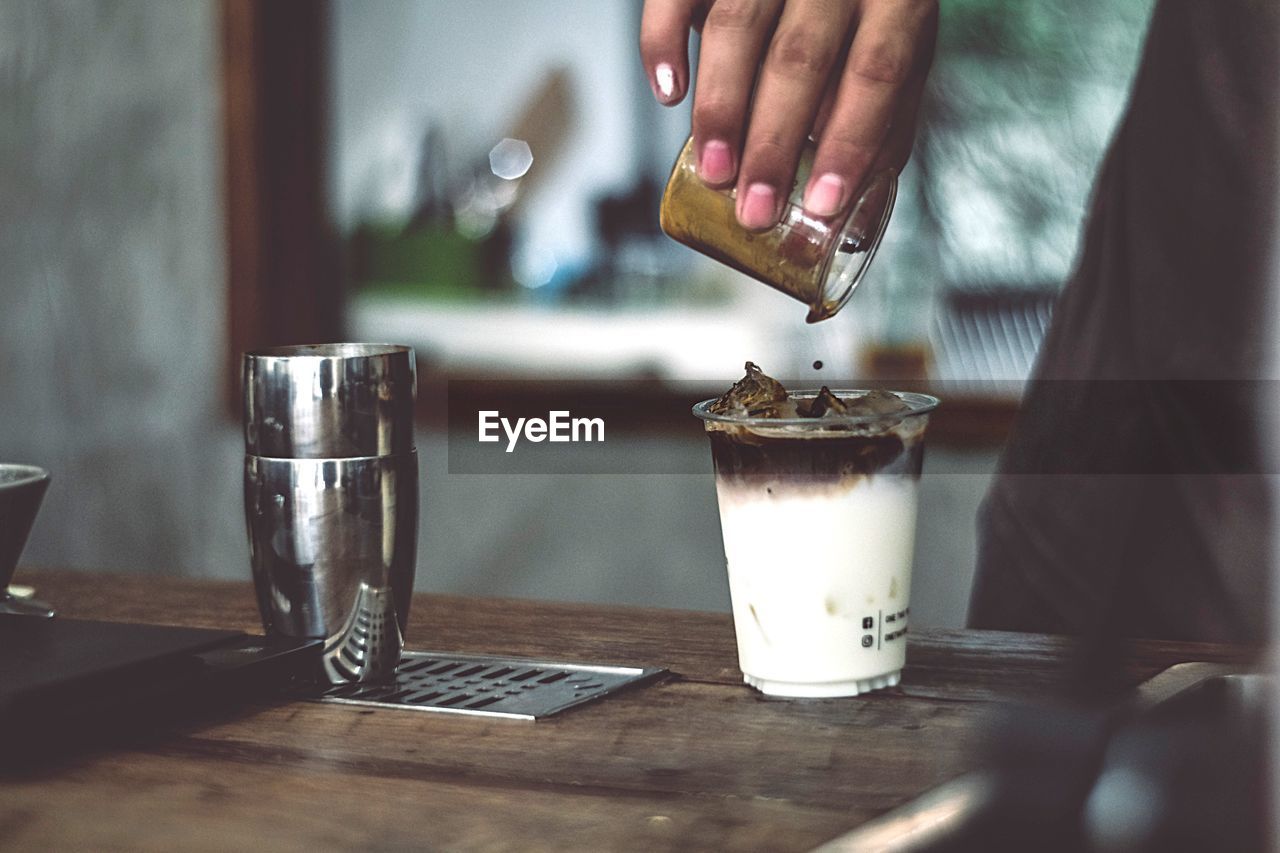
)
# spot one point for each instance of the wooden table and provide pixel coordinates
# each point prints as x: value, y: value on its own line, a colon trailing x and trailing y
x: 697, y: 762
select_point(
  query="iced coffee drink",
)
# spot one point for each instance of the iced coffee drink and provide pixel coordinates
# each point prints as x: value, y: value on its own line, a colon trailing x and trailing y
x: 817, y: 494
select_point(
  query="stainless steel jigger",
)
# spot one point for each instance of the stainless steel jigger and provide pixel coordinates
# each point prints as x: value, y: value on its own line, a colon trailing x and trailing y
x: 331, y: 499
x: 329, y: 401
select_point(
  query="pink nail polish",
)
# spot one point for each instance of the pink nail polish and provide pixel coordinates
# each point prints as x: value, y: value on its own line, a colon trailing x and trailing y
x: 665, y: 78
x: 825, y: 196
x: 715, y: 166
x: 758, y: 208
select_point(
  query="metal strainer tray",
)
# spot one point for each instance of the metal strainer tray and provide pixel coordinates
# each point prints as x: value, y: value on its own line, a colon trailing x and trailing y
x: 483, y: 685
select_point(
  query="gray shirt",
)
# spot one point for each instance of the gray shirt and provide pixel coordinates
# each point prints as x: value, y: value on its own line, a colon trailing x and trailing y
x: 1132, y: 496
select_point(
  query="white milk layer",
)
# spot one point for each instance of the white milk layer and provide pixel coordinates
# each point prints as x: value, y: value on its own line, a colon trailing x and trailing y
x: 820, y: 579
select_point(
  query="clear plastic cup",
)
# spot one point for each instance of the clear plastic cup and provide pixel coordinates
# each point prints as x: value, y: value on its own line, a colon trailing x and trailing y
x: 818, y: 517
x: 818, y: 261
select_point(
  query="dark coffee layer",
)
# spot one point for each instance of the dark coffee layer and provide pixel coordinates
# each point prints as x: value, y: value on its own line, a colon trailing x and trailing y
x: 740, y: 454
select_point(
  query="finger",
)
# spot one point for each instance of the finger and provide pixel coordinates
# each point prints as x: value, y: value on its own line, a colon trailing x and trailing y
x: 890, y: 39
x: 828, y: 98
x: 733, y: 39
x: 892, y: 157
x: 664, y: 47
x: 896, y: 148
x: 801, y: 56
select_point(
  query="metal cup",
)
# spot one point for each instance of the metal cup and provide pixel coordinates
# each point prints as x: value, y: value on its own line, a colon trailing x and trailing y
x: 326, y: 401
x: 22, y: 488
x: 331, y: 498
x: 333, y: 544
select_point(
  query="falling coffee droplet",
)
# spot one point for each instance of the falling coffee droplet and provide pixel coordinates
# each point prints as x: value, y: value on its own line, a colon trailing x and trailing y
x: 817, y: 365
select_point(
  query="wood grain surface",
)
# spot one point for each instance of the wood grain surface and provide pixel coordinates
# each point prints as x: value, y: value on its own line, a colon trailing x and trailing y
x: 697, y: 762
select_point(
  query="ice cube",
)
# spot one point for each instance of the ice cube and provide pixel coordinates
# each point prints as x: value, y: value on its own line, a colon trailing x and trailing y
x: 825, y: 403
x: 876, y: 402
x: 754, y: 395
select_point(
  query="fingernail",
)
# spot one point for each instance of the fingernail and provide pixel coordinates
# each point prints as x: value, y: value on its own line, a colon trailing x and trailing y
x: 665, y: 76
x: 825, y: 196
x: 715, y: 166
x: 758, y: 208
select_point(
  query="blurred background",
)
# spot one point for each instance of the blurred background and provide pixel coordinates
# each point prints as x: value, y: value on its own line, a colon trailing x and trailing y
x: 181, y: 180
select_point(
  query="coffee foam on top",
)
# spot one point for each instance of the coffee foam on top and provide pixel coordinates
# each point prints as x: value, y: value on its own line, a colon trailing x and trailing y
x: 781, y: 443
x: 757, y: 399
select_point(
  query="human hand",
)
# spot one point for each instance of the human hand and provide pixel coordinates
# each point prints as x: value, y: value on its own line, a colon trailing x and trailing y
x: 848, y: 72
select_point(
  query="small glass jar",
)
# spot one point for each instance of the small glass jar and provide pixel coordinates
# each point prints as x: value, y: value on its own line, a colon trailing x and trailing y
x: 817, y: 260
